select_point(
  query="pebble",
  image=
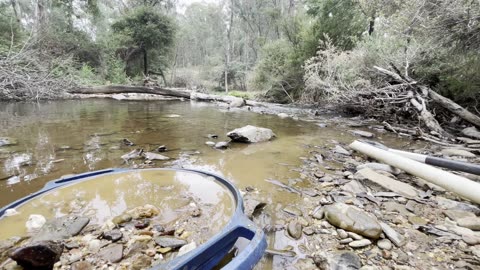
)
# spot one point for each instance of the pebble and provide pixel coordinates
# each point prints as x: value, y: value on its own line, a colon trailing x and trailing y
x: 294, y: 229
x: 141, y: 224
x: 113, y: 235
x: 360, y: 243
x: 111, y: 253
x: 186, y: 248
x: 209, y: 143
x: 415, y: 220
x: 346, y: 241
x: 384, y: 244
x: 82, y: 265
x: 395, y: 237
x: 473, y: 223
x: 354, y: 236
x: 169, y: 241
x: 342, y: 234
x: 221, y: 145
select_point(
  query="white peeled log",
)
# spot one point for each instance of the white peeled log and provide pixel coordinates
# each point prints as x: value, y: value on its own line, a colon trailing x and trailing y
x: 462, y: 186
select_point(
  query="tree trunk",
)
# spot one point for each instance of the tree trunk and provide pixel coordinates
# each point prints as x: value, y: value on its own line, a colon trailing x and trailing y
x: 119, y: 89
x: 371, y: 26
x: 145, y: 62
x: 15, y: 11
x: 454, y: 108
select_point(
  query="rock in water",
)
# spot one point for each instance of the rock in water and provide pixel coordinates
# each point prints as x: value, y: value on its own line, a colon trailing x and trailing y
x: 153, y: 156
x: 341, y: 260
x: 237, y: 102
x: 61, y: 228
x: 35, y: 222
x: 221, y: 145
x: 362, y: 133
x: 5, y: 141
x: 251, y: 134
x: 353, y: 219
x: 40, y: 255
x: 283, y: 115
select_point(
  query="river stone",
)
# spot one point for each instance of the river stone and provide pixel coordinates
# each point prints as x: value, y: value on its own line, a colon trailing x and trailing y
x: 221, y: 145
x: 360, y: 243
x: 473, y: 223
x: 209, y: 143
x: 40, y: 255
x: 35, y: 223
x: 237, y: 102
x: 113, y: 235
x: 169, y: 241
x: 140, y: 261
x: 6, y: 141
x: 293, y: 211
x: 187, y: 248
x: 471, y: 132
x: 340, y: 150
x: 354, y: 187
x: 352, y: 219
x: 154, y: 156
x: 294, y: 229
x: 362, y: 133
x: 318, y: 213
x: 395, y: 237
x: 384, y: 244
x: 112, y: 253
x: 379, y: 167
x: 415, y: 220
x: 82, y: 265
x: 339, y: 260
x: 457, y: 152
x: 61, y: 228
x: 283, y: 115
x: 458, y: 214
x: 251, y: 134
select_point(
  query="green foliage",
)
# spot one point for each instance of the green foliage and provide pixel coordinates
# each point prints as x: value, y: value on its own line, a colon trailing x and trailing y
x: 10, y: 30
x: 115, y: 71
x: 341, y: 20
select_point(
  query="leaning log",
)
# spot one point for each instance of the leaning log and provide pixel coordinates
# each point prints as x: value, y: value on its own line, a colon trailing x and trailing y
x: 120, y: 89
x: 454, y: 108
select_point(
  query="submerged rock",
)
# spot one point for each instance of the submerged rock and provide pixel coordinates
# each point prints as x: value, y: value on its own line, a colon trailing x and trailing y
x: 7, y: 141
x: 40, y: 255
x: 221, y: 145
x: 251, y: 134
x: 154, y: 156
x: 35, y: 223
x: 61, y: 228
x: 352, y: 219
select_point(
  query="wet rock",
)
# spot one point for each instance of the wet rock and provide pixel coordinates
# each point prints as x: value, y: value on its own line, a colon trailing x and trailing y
x: 111, y: 253
x: 154, y: 156
x: 221, y: 145
x: 340, y: 150
x: 293, y: 211
x: 283, y: 115
x: 251, y: 134
x: 384, y: 244
x: 113, y: 235
x: 294, y: 229
x: 473, y: 223
x: 360, y: 243
x: 141, y: 224
x: 83, y: 265
x: 35, y: 223
x: 379, y: 167
x: 10, y: 212
x: 340, y: 260
x: 210, y: 143
x: 457, y: 152
x: 471, y: 132
x: 162, y: 148
x: 237, y: 102
x: 40, y: 255
x: 187, y: 248
x: 395, y: 237
x: 7, y: 141
x: 134, y: 154
x: 352, y: 219
x: 140, y: 261
x: 127, y: 142
x: 121, y: 219
x: 169, y: 241
x: 252, y: 206
x: 61, y: 228
x: 146, y: 211
x: 362, y: 133
x: 158, y: 228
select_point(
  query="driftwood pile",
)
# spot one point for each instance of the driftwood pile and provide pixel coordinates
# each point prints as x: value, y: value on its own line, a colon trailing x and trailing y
x: 435, y: 118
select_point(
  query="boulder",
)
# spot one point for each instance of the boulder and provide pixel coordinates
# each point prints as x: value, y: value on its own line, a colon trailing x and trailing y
x: 353, y: 219
x: 251, y: 134
x: 40, y: 255
x: 236, y: 102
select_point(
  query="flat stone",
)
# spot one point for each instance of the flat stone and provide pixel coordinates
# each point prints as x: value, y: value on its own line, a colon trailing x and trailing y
x: 154, y: 156
x: 221, y: 145
x: 113, y: 235
x: 457, y: 152
x: 379, y: 167
x: 395, y: 237
x: 340, y: 150
x: 346, y: 241
x: 354, y: 187
x: 169, y: 241
x: 121, y: 219
x: 61, y: 228
x: 251, y: 134
x: 384, y: 244
x: 454, y: 205
x: 112, y: 253
x: 362, y: 133
x: 354, y: 236
x: 338, y: 260
x: 43, y: 254
x: 360, y: 243
x: 293, y: 211
x: 318, y: 213
x: 294, y: 229
x: 415, y: 220
x: 458, y: 214
x: 187, y: 248
x: 389, y: 183
x: 352, y: 219
x: 473, y: 223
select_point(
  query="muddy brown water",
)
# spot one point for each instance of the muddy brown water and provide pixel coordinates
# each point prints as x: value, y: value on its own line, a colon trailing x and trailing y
x: 70, y: 137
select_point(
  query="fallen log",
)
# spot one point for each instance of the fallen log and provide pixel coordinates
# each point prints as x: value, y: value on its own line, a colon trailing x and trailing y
x: 462, y: 186
x: 119, y: 89
x: 454, y: 108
